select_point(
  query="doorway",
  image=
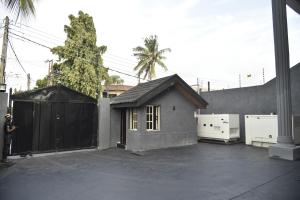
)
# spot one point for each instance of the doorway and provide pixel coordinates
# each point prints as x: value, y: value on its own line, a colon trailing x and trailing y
x: 123, y: 129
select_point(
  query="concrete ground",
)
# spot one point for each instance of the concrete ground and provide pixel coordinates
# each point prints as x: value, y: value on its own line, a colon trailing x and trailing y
x: 203, y: 171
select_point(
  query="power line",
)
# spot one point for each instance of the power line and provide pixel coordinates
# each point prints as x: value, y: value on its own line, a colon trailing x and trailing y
x: 118, y: 58
x: 127, y: 74
x: 40, y: 31
x: 32, y: 41
x: 124, y: 73
x: 85, y: 59
x: 48, y: 36
x: 16, y: 56
x: 45, y: 39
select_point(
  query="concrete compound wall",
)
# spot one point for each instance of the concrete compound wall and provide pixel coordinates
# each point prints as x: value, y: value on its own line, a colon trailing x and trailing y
x: 251, y: 100
x: 104, y: 124
x: 109, y: 125
x: 177, y: 127
x: 115, y: 126
x: 3, y: 110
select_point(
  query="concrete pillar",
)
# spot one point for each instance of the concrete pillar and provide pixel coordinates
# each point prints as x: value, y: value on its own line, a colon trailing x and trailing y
x: 104, y: 124
x: 283, y: 87
x: 285, y: 147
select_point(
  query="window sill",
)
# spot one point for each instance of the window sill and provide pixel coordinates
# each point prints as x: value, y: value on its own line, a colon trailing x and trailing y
x: 152, y: 130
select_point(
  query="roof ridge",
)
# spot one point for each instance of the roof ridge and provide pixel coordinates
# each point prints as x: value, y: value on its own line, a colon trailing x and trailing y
x: 166, y: 79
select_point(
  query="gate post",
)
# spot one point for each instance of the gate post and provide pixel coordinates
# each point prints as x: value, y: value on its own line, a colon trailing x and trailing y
x: 3, y: 110
x: 104, y: 123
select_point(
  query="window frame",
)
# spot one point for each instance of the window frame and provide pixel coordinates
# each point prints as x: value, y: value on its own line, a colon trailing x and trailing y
x: 153, y: 117
x: 133, y: 123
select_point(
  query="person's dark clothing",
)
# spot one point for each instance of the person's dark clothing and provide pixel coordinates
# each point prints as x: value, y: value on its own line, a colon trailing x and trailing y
x: 7, y: 138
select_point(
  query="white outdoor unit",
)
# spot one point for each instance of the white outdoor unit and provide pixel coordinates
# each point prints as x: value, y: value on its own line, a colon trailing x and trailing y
x: 262, y: 130
x: 225, y: 127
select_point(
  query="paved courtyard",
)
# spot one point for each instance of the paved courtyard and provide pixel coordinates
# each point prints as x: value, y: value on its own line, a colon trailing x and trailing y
x: 203, y: 171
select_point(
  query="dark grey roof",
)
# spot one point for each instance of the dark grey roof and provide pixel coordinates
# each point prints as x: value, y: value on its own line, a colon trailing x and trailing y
x: 295, y: 5
x: 57, y: 93
x: 134, y: 93
x: 143, y: 92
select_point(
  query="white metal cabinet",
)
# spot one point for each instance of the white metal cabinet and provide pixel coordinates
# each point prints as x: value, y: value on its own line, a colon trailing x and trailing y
x: 262, y: 130
x: 219, y: 126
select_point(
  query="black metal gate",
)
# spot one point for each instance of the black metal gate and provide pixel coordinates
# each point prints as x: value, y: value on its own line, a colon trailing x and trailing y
x: 54, y: 126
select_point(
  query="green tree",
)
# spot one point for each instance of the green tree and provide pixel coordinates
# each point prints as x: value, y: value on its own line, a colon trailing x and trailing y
x: 24, y: 8
x: 148, y: 56
x: 40, y: 83
x: 114, y: 79
x: 80, y: 64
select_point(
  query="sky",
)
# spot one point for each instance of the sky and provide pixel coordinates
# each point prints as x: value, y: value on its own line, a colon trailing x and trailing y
x: 213, y: 41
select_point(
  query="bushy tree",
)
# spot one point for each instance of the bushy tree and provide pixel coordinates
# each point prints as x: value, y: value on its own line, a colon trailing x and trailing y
x: 114, y: 79
x: 80, y: 65
x: 149, y: 56
x: 40, y: 83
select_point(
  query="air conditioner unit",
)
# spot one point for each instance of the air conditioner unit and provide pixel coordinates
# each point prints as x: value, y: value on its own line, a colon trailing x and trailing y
x: 225, y: 127
x: 262, y: 130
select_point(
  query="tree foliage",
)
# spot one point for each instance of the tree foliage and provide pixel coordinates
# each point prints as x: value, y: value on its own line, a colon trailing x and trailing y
x: 80, y: 64
x: 40, y: 83
x: 114, y: 79
x: 148, y: 56
x: 24, y: 8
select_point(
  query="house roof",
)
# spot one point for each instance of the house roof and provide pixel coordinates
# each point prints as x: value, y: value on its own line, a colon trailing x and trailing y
x: 117, y: 87
x: 143, y: 92
x: 295, y: 5
x: 55, y: 93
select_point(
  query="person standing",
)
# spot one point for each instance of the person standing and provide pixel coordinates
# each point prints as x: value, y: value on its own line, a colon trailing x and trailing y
x: 9, y: 130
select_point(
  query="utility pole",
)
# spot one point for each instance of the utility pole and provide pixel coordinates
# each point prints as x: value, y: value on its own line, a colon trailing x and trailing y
x: 198, y: 88
x: 28, y: 81
x: 4, y: 52
x: 208, y: 86
x: 49, y: 81
x: 263, y: 74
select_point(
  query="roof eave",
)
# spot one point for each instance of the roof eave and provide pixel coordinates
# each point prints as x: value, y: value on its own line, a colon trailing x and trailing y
x: 124, y: 105
x: 294, y: 4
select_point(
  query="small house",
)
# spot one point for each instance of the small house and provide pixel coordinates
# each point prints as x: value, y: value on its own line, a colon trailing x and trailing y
x: 155, y: 114
x: 115, y: 90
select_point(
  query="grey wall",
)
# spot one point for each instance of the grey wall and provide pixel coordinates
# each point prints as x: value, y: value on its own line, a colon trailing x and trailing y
x: 104, y: 123
x: 115, y: 126
x: 109, y: 125
x: 3, y: 110
x: 177, y: 127
x: 251, y: 100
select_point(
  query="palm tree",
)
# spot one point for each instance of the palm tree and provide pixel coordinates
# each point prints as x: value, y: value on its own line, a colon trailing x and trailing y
x: 149, y: 56
x: 23, y: 7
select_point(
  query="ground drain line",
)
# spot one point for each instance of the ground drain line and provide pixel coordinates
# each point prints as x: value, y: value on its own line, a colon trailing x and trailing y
x: 276, y: 177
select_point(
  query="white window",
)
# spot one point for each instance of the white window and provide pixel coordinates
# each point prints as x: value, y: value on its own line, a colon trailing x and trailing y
x: 133, y: 119
x: 153, y: 117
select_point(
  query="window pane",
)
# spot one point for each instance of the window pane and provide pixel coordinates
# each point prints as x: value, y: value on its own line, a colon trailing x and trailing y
x: 156, y: 115
x: 154, y: 118
x: 133, y: 118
